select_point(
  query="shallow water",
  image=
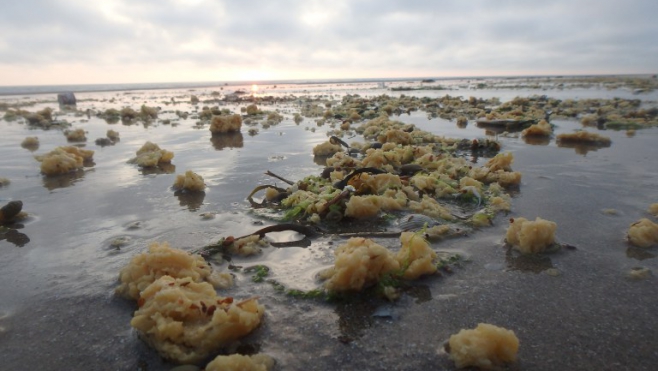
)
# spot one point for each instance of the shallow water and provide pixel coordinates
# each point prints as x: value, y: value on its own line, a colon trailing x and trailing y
x: 58, y: 310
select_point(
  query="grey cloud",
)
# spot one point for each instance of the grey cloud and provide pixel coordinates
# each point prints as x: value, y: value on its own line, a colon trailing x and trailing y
x: 364, y: 35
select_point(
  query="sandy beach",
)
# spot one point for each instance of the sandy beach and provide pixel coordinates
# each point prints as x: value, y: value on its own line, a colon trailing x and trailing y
x: 574, y: 309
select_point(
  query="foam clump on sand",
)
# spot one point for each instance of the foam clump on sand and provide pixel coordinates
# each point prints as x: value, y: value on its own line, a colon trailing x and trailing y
x: 326, y: 149
x: 540, y: 129
x: 486, y: 347
x: 252, y: 109
x: 430, y: 207
x: 386, y: 194
x: 500, y: 203
x: 238, y: 362
x: 370, y: 205
x: 398, y: 137
x: 498, y: 170
x: 531, y: 237
x: 160, y: 260
x: 653, y: 209
x: 76, y: 135
x: 361, y: 263
x: 30, y: 143
x: 271, y: 193
x: 147, y: 112
x: 63, y: 160
x: 585, y: 137
x: 112, y: 135
x: 247, y: 246
x: 416, y: 257
x: 502, y: 161
x: 226, y: 124
x: 150, y: 155
x: 190, y: 181
x: 185, y: 321
x: 643, y: 233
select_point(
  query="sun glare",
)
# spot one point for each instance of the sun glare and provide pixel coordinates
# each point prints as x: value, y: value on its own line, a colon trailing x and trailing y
x: 254, y: 88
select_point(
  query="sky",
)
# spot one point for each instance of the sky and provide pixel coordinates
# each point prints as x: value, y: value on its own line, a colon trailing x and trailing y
x: 48, y: 42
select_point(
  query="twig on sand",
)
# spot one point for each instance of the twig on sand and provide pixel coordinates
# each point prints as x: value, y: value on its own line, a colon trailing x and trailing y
x: 278, y: 177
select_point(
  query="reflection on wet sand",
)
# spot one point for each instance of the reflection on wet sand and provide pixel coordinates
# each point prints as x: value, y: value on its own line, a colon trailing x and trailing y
x: 501, y: 126
x: 104, y: 142
x: 354, y: 317
x: 639, y: 253
x: 535, y: 263
x: 320, y: 160
x: 162, y: 168
x: 582, y: 148
x: 64, y: 180
x: 227, y: 140
x: 191, y: 200
x: 357, y: 314
x: 536, y: 140
x: 30, y: 146
x: 12, y: 235
x: 421, y: 293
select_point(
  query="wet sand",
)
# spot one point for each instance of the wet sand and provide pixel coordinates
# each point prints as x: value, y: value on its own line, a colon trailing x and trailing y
x: 58, y: 309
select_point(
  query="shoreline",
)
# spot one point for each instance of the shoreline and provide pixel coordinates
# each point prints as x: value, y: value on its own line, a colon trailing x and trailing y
x: 99, y: 88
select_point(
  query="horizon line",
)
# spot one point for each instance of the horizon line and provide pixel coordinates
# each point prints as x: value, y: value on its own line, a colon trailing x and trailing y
x: 205, y: 84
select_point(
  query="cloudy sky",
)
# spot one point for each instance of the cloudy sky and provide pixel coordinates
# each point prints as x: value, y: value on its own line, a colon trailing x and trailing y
x: 124, y: 41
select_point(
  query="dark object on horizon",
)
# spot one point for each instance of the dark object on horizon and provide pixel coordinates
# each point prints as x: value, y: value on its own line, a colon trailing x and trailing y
x: 427, y: 80
x: 67, y: 98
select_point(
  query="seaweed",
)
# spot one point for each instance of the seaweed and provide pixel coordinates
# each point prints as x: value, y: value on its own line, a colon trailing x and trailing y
x: 260, y: 272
